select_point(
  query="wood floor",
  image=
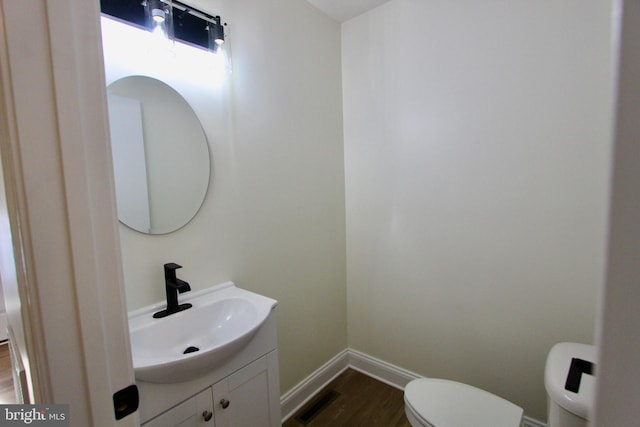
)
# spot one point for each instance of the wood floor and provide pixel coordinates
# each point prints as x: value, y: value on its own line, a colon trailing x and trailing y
x: 353, y: 399
x: 7, y: 395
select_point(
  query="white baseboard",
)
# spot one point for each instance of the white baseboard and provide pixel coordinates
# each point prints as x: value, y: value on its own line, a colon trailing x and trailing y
x: 380, y: 370
x: 390, y: 374
x: 300, y: 394
x: 530, y: 422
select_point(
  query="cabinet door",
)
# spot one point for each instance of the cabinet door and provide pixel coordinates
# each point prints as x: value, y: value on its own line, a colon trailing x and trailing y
x: 249, y: 397
x: 194, y: 412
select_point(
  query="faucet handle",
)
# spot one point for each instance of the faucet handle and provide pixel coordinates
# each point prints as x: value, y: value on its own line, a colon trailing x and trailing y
x: 171, y: 266
x: 170, y: 272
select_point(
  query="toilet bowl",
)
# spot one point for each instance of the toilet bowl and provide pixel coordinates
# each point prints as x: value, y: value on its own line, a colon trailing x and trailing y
x: 443, y: 403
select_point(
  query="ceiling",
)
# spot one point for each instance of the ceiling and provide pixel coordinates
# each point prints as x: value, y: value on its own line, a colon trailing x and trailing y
x: 343, y: 10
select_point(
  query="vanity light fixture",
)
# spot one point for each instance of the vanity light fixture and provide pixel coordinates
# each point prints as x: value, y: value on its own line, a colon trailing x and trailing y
x: 176, y: 20
x: 221, y: 53
x: 216, y: 35
x: 159, y: 15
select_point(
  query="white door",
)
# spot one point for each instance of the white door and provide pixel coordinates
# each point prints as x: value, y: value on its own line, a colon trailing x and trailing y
x: 59, y: 250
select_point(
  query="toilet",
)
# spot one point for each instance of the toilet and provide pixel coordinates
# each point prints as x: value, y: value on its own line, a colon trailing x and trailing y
x: 570, y: 384
x: 442, y: 403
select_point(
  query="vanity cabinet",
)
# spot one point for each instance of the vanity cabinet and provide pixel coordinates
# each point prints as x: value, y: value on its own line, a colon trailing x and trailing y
x: 248, y: 397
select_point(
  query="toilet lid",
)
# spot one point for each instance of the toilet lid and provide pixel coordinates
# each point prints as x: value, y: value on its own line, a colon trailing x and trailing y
x: 443, y: 403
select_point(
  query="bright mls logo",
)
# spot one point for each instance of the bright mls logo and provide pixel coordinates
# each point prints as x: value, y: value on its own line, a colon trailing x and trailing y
x: 34, y: 415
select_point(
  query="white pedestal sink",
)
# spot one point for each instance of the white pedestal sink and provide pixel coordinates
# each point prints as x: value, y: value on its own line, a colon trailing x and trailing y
x: 186, y: 345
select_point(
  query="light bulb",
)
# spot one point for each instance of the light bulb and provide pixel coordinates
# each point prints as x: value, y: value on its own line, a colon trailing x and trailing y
x: 158, y: 15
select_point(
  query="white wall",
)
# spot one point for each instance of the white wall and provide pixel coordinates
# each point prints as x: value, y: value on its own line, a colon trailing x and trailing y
x: 477, y: 152
x: 273, y: 219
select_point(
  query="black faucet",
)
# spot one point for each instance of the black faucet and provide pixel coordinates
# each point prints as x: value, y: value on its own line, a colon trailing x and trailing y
x: 173, y: 286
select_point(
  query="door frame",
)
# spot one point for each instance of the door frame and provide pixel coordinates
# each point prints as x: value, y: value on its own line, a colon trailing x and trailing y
x: 618, y: 329
x: 60, y: 245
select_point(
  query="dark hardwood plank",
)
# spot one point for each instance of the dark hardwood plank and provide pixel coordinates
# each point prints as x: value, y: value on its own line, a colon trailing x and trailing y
x: 362, y: 401
x: 7, y: 393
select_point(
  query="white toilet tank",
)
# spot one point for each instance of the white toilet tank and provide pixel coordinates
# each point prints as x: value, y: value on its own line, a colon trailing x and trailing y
x: 570, y: 383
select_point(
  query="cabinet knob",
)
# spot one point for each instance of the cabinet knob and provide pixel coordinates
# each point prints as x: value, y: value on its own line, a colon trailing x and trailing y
x: 224, y: 403
x: 207, y: 415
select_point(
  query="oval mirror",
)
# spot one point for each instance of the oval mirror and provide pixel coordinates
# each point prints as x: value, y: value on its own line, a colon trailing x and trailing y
x: 160, y: 155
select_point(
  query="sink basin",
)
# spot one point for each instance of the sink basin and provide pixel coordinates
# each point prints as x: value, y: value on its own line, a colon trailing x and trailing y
x: 185, y: 345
